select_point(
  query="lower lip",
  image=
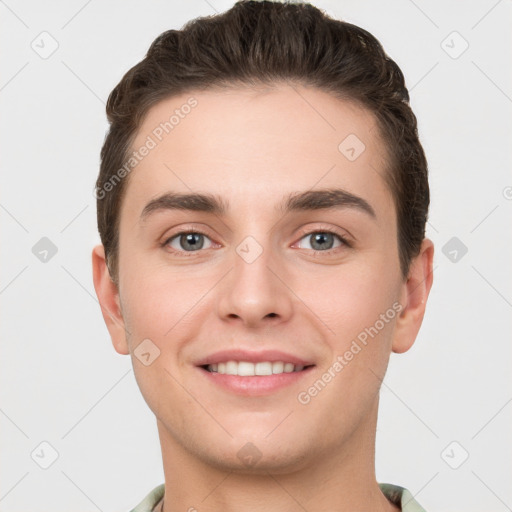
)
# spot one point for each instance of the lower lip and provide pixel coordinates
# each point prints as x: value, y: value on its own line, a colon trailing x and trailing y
x: 255, y: 385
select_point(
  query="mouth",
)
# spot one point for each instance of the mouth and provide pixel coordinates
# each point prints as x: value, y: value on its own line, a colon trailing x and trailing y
x: 254, y: 379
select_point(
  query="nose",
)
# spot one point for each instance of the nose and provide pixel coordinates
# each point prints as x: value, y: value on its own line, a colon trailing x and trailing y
x: 254, y: 293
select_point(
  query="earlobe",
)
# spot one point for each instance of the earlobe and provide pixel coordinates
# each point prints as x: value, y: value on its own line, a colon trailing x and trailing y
x: 414, y: 298
x: 108, y: 297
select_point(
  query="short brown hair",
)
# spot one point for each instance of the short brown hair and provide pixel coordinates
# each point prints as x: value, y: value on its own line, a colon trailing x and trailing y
x: 265, y: 42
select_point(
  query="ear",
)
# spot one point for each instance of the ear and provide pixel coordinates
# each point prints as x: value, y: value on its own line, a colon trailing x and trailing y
x: 108, y: 296
x: 414, y: 297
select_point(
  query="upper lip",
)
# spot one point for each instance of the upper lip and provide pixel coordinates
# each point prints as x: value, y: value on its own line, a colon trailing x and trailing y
x: 252, y: 357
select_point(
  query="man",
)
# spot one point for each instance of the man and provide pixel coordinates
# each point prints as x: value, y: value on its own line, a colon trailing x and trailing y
x: 262, y: 202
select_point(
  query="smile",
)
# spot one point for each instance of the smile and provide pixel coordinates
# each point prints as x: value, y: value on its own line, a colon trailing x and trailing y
x: 254, y: 379
x: 248, y: 369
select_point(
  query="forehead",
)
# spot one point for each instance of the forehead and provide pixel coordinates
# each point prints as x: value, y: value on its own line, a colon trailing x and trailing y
x: 254, y: 145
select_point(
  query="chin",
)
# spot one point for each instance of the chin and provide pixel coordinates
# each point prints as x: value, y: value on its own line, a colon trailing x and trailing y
x: 256, y: 462
x: 256, y: 455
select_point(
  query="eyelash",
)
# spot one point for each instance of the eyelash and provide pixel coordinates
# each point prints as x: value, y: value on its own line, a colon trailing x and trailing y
x: 187, y: 254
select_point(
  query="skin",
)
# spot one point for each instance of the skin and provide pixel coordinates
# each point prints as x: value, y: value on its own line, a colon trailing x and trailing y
x: 253, y: 148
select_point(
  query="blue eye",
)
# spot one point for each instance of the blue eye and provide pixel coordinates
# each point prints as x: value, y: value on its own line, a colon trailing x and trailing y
x: 189, y: 241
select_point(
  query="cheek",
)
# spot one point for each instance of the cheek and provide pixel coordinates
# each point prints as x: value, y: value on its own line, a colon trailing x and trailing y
x: 160, y: 304
x: 159, y: 314
x: 361, y: 308
x: 351, y: 300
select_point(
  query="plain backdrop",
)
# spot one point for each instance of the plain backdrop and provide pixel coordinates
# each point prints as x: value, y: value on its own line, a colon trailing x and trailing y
x: 446, y: 411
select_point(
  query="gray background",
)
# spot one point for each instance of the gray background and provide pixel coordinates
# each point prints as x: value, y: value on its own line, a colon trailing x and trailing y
x: 62, y: 382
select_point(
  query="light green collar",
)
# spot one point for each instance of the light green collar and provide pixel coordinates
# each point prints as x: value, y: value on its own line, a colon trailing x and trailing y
x: 396, y: 494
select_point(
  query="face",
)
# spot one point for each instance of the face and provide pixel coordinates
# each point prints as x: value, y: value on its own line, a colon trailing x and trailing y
x: 283, y: 257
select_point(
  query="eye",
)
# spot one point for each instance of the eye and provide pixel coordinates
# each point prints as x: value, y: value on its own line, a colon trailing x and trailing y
x: 190, y: 241
x: 321, y: 241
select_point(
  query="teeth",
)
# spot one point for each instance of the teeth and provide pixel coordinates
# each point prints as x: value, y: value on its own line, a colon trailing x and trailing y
x: 288, y: 368
x: 278, y: 367
x: 231, y: 368
x: 244, y: 369
x: 263, y: 368
x: 247, y: 369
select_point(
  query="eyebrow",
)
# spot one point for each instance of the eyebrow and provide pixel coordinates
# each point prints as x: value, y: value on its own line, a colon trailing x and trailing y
x: 300, y: 201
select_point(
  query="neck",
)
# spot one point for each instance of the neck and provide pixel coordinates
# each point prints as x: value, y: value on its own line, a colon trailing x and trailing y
x: 338, y: 479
